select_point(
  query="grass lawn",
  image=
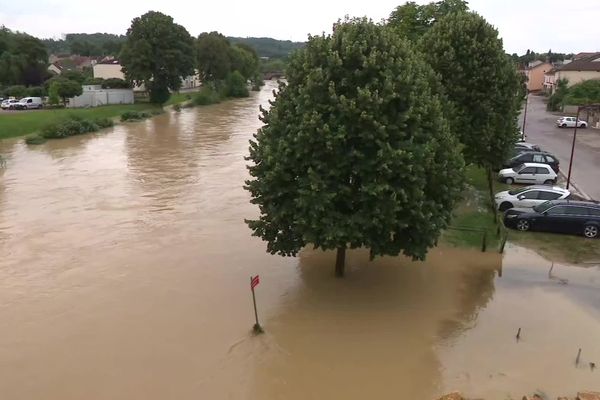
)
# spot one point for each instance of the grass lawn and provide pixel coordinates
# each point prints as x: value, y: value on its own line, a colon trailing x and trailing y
x: 178, y: 98
x: 474, y: 212
x: 20, y: 123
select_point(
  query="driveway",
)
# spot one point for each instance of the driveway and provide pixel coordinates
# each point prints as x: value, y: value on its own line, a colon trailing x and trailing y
x: 540, y: 128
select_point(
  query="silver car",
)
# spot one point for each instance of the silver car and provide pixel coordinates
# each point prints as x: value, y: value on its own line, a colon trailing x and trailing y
x: 529, y: 196
x: 569, y: 122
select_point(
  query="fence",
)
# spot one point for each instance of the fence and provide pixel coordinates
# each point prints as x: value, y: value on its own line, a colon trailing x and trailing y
x: 501, y: 232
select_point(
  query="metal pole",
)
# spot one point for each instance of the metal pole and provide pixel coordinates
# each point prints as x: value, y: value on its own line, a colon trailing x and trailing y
x: 257, y: 328
x: 573, y: 147
x: 525, y: 116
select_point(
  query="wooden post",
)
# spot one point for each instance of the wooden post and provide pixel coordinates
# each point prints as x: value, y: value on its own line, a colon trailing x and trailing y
x: 484, y: 242
x: 257, y: 328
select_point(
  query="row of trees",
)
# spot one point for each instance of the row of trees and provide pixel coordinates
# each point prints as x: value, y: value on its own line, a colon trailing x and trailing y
x: 586, y: 92
x: 157, y: 52
x: 549, y: 56
x: 86, y: 44
x: 23, y: 59
x: 365, y: 145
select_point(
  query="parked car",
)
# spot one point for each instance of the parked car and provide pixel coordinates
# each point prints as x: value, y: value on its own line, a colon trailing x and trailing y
x: 565, y: 216
x: 569, y: 122
x: 7, y: 104
x: 28, y: 103
x: 541, y: 157
x: 530, y: 173
x: 527, y: 146
x: 529, y: 196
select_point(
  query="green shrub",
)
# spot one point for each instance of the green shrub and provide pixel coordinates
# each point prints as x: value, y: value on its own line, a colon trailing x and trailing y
x: 236, y: 85
x: 36, y: 91
x: 139, y: 115
x: 69, y: 127
x: 115, y: 83
x: 206, y: 96
x: 17, y: 91
x: 177, y: 107
x: 188, y: 104
x: 35, y: 139
x: 104, y: 123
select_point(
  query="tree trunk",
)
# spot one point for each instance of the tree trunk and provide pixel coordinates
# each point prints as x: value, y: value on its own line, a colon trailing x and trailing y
x: 490, y: 180
x: 340, y: 262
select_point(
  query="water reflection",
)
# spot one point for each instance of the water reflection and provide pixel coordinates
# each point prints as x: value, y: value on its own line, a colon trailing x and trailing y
x: 373, y: 334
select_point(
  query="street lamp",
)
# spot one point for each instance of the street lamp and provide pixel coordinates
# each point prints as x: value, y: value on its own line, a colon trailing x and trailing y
x: 579, y: 108
x: 523, y: 136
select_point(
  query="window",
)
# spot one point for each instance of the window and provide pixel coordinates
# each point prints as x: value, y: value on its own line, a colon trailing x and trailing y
x: 528, y: 170
x: 538, y: 158
x: 550, y: 159
x: 544, y: 195
x: 542, y: 170
x: 575, y: 210
x: 29, y: 100
x: 558, y: 210
x: 531, y: 195
x: 527, y: 157
x: 517, y: 191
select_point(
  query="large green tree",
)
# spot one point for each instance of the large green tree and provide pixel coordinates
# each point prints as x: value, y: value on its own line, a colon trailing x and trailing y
x: 412, y: 20
x: 481, y: 83
x: 213, y: 52
x: 355, y: 150
x: 65, y: 88
x: 23, y: 59
x: 157, y: 53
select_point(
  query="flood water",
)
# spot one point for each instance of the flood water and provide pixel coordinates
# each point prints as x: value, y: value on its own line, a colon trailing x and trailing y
x: 125, y: 267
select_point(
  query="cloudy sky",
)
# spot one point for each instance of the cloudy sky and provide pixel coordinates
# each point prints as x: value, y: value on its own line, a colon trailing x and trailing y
x: 563, y: 26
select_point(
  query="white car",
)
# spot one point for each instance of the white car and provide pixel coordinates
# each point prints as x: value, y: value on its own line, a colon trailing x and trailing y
x: 529, y: 196
x: 569, y: 122
x: 529, y: 173
x: 8, y: 104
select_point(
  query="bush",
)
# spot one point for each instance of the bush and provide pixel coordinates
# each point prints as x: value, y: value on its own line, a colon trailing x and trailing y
x: 104, y: 123
x: 93, y: 81
x: 69, y: 127
x: 115, y: 83
x: 36, y: 91
x: 35, y: 139
x: 177, y: 107
x: 206, y: 96
x: 236, y: 86
x: 139, y: 115
x: 17, y: 91
x: 155, y: 111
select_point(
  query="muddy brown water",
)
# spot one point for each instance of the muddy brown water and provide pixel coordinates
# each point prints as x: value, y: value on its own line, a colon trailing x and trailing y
x: 124, y: 274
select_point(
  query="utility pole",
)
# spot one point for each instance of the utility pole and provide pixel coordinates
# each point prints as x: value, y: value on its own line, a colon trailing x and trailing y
x: 573, y: 145
x: 524, y: 116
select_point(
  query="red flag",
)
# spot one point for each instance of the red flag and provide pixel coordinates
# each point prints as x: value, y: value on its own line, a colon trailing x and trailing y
x: 255, y: 281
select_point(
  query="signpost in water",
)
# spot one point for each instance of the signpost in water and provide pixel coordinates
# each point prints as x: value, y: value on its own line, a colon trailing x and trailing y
x: 254, y: 281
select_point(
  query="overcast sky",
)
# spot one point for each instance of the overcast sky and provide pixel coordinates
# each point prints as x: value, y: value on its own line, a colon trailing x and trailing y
x: 562, y: 25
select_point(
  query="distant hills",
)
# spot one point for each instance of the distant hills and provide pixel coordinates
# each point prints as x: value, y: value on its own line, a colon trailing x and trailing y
x: 269, y: 47
x: 101, y: 44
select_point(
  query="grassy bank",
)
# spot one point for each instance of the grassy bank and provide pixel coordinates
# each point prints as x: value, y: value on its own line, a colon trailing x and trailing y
x: 19, y: 123
x: 474, y: 212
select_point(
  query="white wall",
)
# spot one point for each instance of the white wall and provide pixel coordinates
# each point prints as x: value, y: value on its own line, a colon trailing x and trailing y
x: 107, y: 71
x: 575, y: 77
x: 101, y: 97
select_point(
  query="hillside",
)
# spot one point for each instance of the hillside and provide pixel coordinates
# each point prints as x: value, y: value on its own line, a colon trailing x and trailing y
x: 269, y: 47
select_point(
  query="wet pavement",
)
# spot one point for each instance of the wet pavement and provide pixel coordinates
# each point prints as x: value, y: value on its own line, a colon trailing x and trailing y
x: 541, y: 128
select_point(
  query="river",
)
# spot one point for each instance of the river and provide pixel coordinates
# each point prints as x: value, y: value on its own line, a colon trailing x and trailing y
x: 125, y: 267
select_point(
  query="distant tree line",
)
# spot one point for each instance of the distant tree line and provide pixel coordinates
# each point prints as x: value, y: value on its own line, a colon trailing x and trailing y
x: 548, y: 56
x: 269, y: 47
x: 86, y: 44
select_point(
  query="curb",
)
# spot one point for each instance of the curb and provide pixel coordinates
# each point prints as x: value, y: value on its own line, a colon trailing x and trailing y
x: 577, y: 188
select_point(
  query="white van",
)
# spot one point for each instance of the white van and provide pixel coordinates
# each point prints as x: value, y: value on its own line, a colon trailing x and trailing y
x: 28, y: 103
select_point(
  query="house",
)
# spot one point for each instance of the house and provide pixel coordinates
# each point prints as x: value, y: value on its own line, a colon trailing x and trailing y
x: 94, y: 96
x: 70, y: 63
x: 535, y: 74
x: 580, y: 69
x: 111, y: 68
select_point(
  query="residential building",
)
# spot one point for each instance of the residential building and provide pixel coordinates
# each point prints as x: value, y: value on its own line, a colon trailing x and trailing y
x: 70, y: 63
x: 535, y: 73
x: 580, y: 69
x: 94, y: 96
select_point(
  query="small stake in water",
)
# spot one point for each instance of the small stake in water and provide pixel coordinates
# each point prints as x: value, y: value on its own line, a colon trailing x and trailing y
x: 577, y: 359
x: 254, y: 281
x: 592, y: 366
x: 518, y: 334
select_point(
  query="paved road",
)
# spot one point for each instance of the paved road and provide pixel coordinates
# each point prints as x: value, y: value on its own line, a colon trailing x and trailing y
x: 540, y: 128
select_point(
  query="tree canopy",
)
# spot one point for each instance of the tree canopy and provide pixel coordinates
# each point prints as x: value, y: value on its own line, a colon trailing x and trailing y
x: 23, y: 59
x: 412, y: 20
x: 65, y: 88
x: 481, y: 84
x: 355, y: 150
x: 157, y: 53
